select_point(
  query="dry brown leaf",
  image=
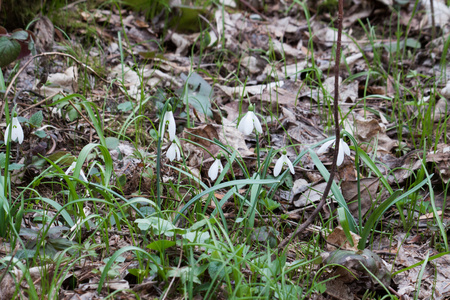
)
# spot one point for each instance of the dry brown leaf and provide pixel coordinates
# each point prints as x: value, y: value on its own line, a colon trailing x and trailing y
x: 368, y: 192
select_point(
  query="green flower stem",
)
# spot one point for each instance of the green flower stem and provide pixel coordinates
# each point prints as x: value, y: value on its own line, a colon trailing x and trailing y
x: 257, y: 151
x: 158, y: 174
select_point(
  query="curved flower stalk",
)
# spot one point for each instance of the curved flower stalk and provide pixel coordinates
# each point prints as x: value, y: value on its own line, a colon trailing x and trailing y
x: 343, y: 149
x: 16, y: 131
x: 249, y: 121
x: 215, y: 169
x: 174, y: 151
x: 282, y: 161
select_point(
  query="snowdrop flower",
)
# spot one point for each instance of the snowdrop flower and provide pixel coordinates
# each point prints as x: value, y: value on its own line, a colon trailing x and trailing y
x: 249, y: 121
x: 169, y: 119
x: 343, y: 149
x: 215, y: 169
x: 174, y: 151
x: 70, y: 170
x: 16, y: 131
x: 283, y: 160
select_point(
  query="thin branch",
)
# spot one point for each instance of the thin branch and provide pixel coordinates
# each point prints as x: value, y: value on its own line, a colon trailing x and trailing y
x: 322, y: 202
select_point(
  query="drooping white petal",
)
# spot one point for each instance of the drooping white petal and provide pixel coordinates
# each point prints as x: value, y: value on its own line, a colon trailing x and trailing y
x: 291, y: 167
x: 70, y: 169
x: 340, y: 157
x: 256, y: 122
x: 173, y: 152
x: 168, y: 118
x: 83, y: 177
x: 16, y: 131
x: 325, y: 146
x: 343, y: 145
x: 278, y: 167
x: 246, y: 124
x: 215, y: 169
x: 178, y: 152
x: 7, y: 134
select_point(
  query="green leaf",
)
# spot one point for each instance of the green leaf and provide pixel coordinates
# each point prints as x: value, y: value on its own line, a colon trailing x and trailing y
x: 160, y: 226
x: 21, y: 35
x: 15, y: 166
x: 36, y: 119
x: 72, y: 113
x: 61, y: 243
x: 68, y: 160
x: 122, y: 180
x: 112, y: 142
x: 2, y: 160
x: 9, y: 51
x: 216, y: 270
x: 413, y: 43
x: 197, y: 92
x: 126, y: 106
x: 161, y: 245
x: 197, y: 237
x: 41, y: 134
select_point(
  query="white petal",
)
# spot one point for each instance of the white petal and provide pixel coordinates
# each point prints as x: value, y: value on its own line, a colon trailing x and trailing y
x: 344, y: 147
x: 246, y: 124
x: 70, y: 169
x: 172, y: 125
x: 6, y: 134
x: 256, y: 122
x: 171, y: 152
x: 288, y: 162
x: 177, y: 150
x: 219, y: 166
x: 214, y: 170
x: 83, y: 177
x: 325, y: 146
x: 17, y: 131
x: 340, y: 158
x: 278, y: 166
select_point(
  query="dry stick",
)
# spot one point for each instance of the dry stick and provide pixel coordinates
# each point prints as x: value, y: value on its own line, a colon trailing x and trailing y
x: 322, y: 202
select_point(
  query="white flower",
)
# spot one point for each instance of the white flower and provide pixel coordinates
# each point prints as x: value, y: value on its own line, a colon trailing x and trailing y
x: 283, y: 160
x: 173, y: 152
x: 70, y: 170
x: 343, y: 149
x: 16, y: 131
x: 215, y: 169
x: 247, y: 123
x: 168, y: 118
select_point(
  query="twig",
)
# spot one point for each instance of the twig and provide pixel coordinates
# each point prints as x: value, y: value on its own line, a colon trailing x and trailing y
x: 81, y: 114
x: 173, y: 279
x: 322, y: 202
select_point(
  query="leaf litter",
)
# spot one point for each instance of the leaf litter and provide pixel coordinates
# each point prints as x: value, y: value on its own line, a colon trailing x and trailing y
x: 273, y: 67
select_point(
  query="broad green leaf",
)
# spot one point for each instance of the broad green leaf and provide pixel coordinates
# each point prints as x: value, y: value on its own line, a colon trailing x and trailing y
x: 126, y: 106
x: 197, y: 92
x: 112, y: 142
x: 9, y: 51
x: 20, y: 35
x: 161, y: 245
x: 36, y: 119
